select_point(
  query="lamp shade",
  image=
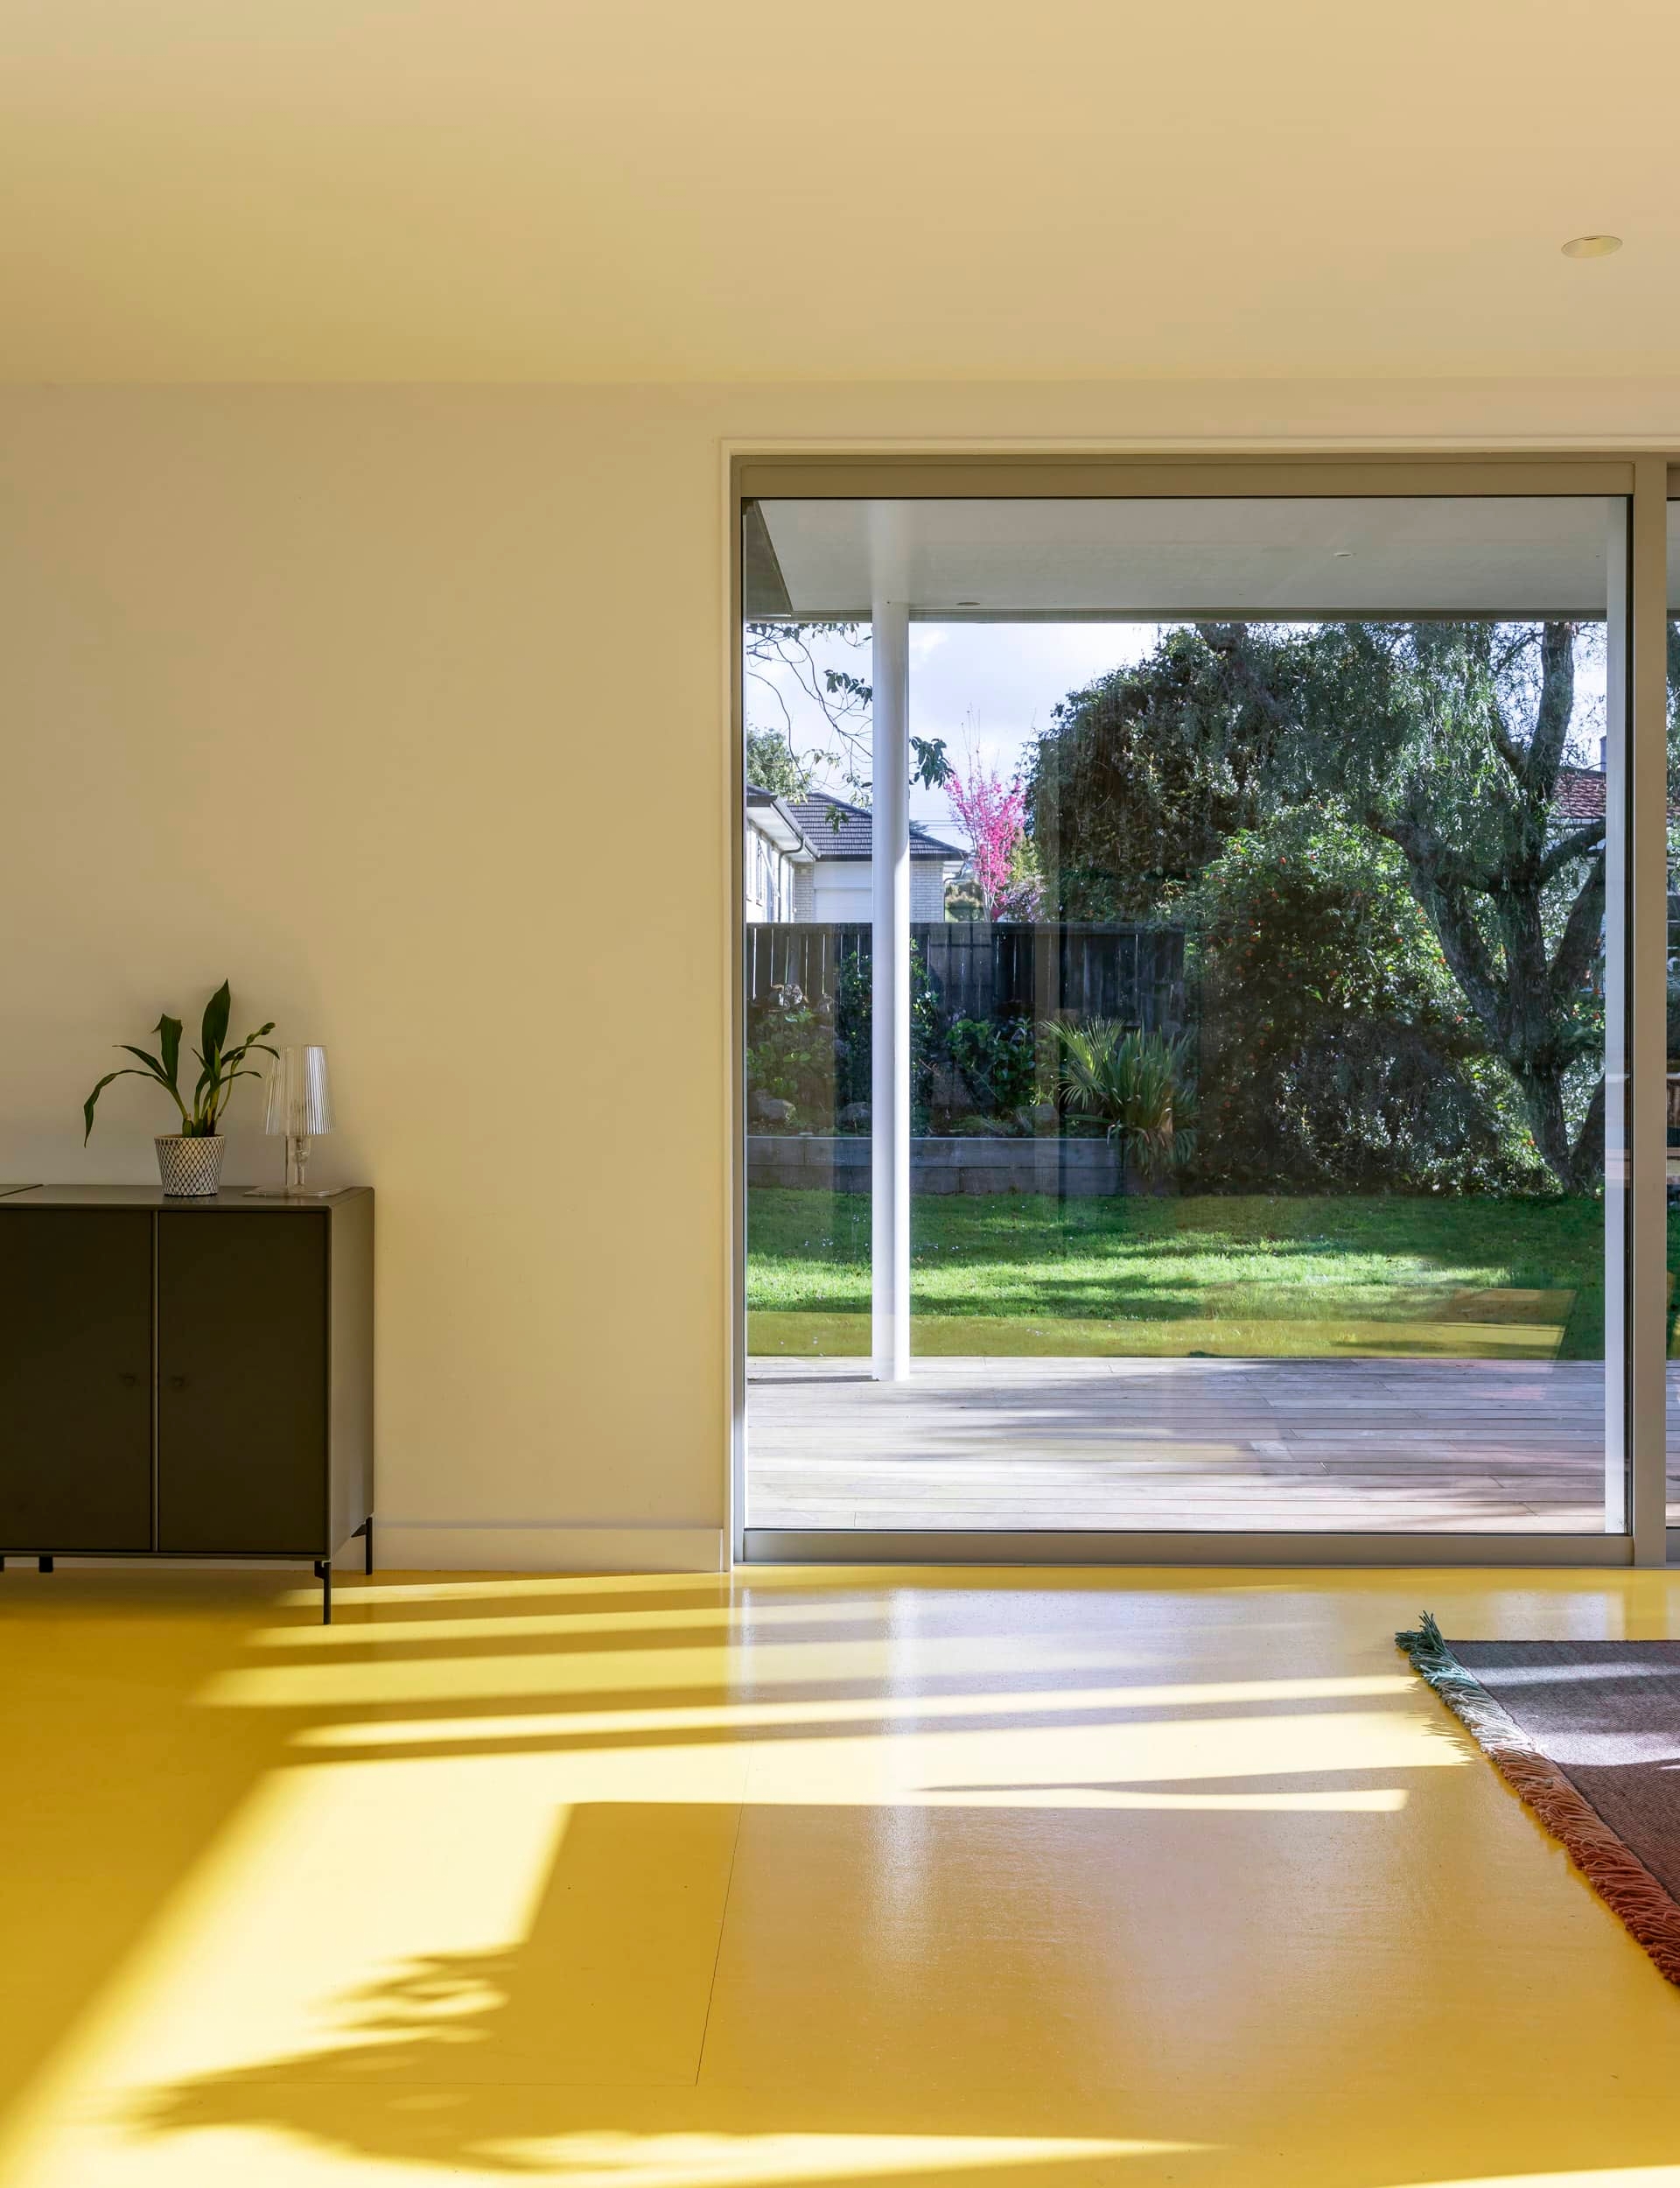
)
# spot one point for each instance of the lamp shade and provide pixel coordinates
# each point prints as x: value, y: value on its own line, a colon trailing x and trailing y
x: 300, y: 1099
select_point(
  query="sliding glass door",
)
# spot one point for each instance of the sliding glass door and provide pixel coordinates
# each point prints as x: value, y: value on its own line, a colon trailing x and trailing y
x: 1671, y: 1015
x: 1186, y: 995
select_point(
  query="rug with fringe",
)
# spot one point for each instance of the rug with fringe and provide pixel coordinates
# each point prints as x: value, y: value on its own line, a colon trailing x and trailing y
x: 1588, y: 1734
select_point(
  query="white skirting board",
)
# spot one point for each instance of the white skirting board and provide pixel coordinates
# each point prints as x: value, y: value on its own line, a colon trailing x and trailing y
x: 442, y: 1545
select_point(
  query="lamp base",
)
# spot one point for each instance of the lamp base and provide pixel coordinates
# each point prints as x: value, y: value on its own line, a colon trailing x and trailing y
x: 296, y: 1168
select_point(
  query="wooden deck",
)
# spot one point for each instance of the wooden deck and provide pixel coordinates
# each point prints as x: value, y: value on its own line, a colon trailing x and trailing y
x: 1431, y: 1446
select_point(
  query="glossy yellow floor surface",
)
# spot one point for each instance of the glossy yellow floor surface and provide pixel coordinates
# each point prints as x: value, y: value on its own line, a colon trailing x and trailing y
x: 1000, y: 1879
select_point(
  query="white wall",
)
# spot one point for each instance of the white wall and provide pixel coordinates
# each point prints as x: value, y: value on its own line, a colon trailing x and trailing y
x: 841, y: 890
x: 292, y: 684
x: 926, y: 889
x: 292, y: 689
x: 766, y: 877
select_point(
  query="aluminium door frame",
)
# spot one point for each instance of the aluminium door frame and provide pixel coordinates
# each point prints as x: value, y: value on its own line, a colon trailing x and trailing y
x: 1640, y: 479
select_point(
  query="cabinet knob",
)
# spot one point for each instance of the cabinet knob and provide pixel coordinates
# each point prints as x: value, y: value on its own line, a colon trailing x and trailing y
x: 130, y: 1381
x: 177, y: 1382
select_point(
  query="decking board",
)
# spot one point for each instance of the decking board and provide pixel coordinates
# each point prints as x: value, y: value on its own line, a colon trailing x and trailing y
x: 1470, y: 1446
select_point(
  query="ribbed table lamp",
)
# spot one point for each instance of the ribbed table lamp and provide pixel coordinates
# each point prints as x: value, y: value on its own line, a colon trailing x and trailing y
x: 300, y: 1105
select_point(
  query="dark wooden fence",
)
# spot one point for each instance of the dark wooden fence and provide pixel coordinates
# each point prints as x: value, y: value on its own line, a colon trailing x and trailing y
x: 1134, y: 974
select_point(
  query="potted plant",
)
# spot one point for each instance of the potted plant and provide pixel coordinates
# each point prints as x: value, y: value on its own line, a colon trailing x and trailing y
x: 189, y: 1162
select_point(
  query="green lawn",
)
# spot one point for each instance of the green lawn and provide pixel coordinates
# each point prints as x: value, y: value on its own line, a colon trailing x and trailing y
x: 1018, y: 1274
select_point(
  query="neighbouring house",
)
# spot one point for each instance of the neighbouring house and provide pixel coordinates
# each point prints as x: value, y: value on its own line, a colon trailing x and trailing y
x: 834, y: 886
x: 809, y: 860
x: 773, y: 849
x: 1579, y: 797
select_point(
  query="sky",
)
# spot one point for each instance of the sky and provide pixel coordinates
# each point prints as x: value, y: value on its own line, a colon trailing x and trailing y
x: 985, y: 688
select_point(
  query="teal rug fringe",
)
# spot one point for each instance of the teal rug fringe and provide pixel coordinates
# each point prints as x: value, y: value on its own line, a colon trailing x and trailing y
x: 1427, y: 1651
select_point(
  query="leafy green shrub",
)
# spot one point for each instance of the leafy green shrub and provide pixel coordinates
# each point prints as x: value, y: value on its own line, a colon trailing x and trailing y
x: 816, y: 1052
x: 1137, y: 1085
x: 1336, y: 1048
x: 790, y: 1055
x: 853, y: 1065
x: 998, y: 1062
x: 853, y: 1006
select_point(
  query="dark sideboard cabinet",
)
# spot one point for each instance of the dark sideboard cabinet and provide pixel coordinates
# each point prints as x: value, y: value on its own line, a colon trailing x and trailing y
x: 185, y: 1378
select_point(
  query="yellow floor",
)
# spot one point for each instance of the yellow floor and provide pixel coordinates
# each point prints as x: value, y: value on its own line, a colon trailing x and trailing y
x: 989, y: 1878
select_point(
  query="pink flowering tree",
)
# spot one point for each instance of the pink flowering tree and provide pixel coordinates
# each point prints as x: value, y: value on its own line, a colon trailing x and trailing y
x: 995, y: 815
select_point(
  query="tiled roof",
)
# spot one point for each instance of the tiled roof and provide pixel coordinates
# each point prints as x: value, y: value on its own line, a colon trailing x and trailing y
x: 1580, y: 796
x: 775, y: 819
x: 835, y: 829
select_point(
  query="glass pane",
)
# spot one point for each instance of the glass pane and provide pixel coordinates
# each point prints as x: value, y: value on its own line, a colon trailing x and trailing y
x: 1674, y: 1011
x: 806, y: 873
x: 1258, y: 950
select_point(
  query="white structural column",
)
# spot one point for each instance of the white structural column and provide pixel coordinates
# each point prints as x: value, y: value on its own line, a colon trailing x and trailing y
x: 1618, y: 1056
x: 890, y: 990
x: 1635, y: 986
x: 1648, y: 771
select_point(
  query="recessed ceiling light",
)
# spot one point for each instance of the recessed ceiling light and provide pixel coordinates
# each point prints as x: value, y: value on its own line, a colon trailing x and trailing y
x: 1591, y: 246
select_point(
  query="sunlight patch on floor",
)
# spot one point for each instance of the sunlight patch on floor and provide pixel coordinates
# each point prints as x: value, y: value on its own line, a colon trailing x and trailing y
x: 882, y: 1709
x: 1595, y: 2177
x: 475, y: 1674
x: 723, y: 1620
x: 604, y: 2158
x: 684, y: 2161
x: 312, y: 1892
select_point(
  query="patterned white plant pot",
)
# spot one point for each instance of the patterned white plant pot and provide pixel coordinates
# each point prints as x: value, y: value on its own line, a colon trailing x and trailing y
x: 191, y: 1169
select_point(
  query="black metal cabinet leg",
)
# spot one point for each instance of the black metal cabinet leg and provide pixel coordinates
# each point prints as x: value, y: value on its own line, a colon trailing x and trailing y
x: 45, y: 1564
x: 365, y: 1531
x: 324, y: 1573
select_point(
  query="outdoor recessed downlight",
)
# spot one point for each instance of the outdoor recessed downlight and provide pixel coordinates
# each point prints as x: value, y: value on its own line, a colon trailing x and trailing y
x: 1591, y: 246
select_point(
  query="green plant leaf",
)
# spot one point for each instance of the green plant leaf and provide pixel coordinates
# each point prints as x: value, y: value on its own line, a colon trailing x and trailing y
x: 215, y: 1032
x: 168, y: 1031
x: 151, y: 1061
x: 251, y: 1042
x: 87, y: 1106
x: 225, y: 1087
x: 127, y: 1071
x: 154, y: 1070
x: 930, y: 762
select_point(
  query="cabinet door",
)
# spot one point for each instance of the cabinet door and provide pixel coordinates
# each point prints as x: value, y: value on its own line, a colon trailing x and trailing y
x: 75, y: 1378
x: 241, y: 1382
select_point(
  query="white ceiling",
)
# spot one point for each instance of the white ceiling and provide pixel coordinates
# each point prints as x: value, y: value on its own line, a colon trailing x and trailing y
x: 958, y: 189
x: 1161, y: 560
